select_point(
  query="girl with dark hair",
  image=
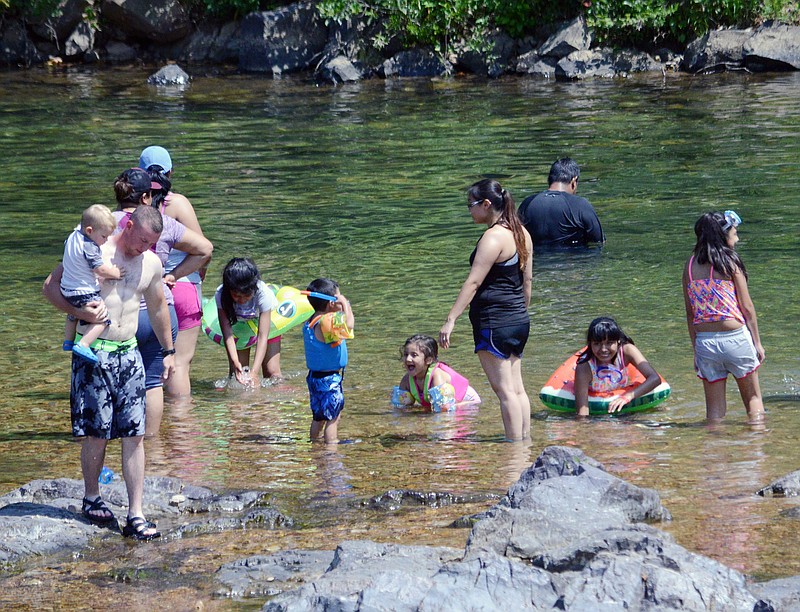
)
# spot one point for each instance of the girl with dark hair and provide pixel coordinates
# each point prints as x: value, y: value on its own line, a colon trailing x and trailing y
x: 603, y: 366
x: 498, y: 292
x: 721, y: 317
x: 429, y: 382
x: 244, y: 296
x: 187, y: 291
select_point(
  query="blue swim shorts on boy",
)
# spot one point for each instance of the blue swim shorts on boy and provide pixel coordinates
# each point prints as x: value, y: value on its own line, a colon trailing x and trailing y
x: 326, y: 395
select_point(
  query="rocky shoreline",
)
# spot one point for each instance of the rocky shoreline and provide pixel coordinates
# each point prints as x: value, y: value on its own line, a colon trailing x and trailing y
x: 296, y: 39
x: 567, y: 535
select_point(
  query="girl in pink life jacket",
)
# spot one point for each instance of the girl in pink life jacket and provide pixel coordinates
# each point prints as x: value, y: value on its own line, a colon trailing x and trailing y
x: 430, y: 383
x: 603, y: 366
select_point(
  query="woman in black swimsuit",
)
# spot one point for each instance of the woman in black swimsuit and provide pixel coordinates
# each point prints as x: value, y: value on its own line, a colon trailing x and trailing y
x: 498, y: 292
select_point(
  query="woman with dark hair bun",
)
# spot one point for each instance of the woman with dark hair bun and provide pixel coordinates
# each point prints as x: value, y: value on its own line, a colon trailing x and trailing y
x: 498, y: 292
x: 128, y: 188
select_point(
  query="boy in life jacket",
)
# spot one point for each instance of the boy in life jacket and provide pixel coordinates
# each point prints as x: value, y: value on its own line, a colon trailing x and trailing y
x: 325, y: 338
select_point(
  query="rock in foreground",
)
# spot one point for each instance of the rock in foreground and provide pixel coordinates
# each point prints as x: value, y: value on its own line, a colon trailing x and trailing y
x: 568, y: 535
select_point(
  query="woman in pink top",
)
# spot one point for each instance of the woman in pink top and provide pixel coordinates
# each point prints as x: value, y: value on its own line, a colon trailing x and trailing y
x: 721, y: 317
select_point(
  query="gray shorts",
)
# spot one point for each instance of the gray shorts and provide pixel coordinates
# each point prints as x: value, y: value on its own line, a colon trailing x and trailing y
x: 107, y: 399
x: 718, y: 353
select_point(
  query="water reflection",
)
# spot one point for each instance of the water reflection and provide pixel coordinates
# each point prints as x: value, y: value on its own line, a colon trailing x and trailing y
x: 332, y: 477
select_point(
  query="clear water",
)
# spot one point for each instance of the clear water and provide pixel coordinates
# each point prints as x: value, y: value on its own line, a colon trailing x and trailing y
x: 365, y: 183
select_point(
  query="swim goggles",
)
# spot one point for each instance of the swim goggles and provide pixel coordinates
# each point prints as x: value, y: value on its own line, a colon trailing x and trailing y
x: 731, y: 220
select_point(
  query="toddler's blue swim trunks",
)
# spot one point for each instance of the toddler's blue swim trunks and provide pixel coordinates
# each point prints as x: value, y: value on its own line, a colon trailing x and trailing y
x: 325, y: 392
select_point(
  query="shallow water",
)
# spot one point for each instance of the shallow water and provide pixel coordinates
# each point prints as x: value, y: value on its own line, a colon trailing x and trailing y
x: 365, y: 183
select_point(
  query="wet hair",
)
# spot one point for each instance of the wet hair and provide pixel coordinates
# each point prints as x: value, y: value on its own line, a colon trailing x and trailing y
x: 158, y: 175
x: 563, y: 171
x: 712, y: 245
x: 427, y: 346
x: 321, y: 285
x: 126, y: 192
x: 501, y: 200
x: 240, y: 275
x: 98, y: 217
x: 603, y: 329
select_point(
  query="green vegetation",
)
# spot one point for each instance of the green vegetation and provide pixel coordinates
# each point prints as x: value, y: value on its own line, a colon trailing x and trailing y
x: 617, y: 22
x: 445, y: 23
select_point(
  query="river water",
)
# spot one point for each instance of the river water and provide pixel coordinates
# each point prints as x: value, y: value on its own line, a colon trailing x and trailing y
x: 365, y: 183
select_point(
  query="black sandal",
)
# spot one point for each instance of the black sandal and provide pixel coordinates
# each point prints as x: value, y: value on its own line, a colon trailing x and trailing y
x: 97, y: 505
x: 136, y: 528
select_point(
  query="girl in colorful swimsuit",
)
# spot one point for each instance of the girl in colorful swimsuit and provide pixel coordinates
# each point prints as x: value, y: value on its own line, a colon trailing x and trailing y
x: 721, y: 317
x: 428, y: 382
x: 603, y: 366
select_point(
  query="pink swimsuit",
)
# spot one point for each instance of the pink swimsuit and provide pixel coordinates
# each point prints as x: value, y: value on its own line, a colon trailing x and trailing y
x: 460, y: 384
x: 713, y: 299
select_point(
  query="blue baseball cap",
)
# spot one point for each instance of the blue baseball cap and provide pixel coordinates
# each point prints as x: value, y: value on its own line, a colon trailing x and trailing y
x: 155, y: 156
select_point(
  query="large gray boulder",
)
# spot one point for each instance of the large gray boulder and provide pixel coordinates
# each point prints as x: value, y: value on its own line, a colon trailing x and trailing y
x: 284, y: 40
x: 210, y: 43
x: 717, y: 50
x: 533, y: 64
x: 566, y: 536
x: 16, y: 48
x: 161, y: 21
x: 585, y: 64
x: 605, y: 63
x: 81, y: 41
x: 340, y: 70
x: 773, y: 48
x: 573, y: 36
x: 57, y: 27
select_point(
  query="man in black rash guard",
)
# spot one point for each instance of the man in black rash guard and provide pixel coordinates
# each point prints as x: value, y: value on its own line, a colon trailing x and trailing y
x: 557, y: 217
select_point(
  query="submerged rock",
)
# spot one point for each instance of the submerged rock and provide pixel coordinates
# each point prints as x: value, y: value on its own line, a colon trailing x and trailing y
x: 171, y: 74
x: 44, y: 516
x: 259, y: 575
x: 392, y: 500
x: 786, y: 486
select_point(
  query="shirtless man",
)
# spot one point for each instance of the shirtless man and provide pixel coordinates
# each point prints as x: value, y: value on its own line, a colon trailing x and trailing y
x: 108, y: 398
